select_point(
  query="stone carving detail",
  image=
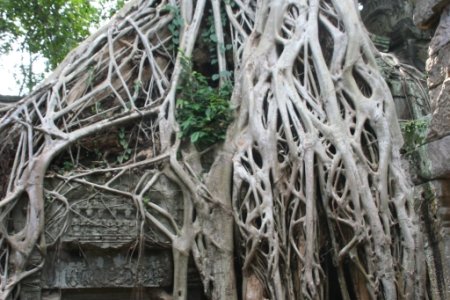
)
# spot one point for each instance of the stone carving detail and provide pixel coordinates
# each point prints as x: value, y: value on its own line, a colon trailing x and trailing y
x: 101, y: 243
x: 94, y: 270
x: 106, y: 220
x: 103, y: 223
x: 31, y: 287
x: 381, y: 16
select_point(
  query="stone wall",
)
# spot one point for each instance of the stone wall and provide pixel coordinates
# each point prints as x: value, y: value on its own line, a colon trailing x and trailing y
x: 391, y: 21
x: 435, y: 15
x: 395, y: 26
x: 438, y: 68
x: 103, y: 252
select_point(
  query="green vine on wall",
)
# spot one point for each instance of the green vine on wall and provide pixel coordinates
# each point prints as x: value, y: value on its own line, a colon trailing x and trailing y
x: 414, y: 134
x: 123, y: 141
x: 203, y: 111
x: 174, y: 26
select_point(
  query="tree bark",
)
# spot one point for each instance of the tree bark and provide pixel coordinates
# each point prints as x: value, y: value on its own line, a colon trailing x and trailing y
x: 310, y: 160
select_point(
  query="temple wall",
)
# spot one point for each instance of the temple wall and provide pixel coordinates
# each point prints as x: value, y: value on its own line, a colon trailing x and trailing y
x: 435, y: 15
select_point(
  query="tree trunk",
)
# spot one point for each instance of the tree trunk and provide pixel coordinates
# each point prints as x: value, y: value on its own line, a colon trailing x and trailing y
x: 309, y: 170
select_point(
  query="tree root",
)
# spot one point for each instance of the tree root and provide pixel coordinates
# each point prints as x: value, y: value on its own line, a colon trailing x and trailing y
x: 312, y: 158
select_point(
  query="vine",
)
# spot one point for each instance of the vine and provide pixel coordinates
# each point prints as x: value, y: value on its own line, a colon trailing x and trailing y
x: 310, y: 159
x: 414, y: 134
x: 123, y: 141
x: 174, y: 26
x: 203, y: 111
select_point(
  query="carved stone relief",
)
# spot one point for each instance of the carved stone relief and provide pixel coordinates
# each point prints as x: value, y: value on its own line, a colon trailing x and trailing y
x: 103, y: 222
x: 101, y: 247
x: 103, y: 270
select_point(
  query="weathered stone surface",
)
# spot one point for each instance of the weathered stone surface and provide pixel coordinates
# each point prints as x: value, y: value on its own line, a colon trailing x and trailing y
x: 381, y: 16
x: 98, y: 248
x: 442, y: 188
x: 381, y: 42
x: 440, y: 122
x: 102, y: 220
x: 103, y: 270
x: 426, y: 12
x: 442, y: 34
x: 391, y: 23
x: 108, y: 294
x: 409, y: 96
x: 104, y: 223
x: 438, y: 67
x: 438, y: 155
x: 442, y: 192
x: 433, y: 198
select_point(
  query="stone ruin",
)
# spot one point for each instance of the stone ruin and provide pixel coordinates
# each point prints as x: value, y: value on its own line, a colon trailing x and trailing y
x: 423, y: 41
x: 98, y: 256
x: 102, y: 259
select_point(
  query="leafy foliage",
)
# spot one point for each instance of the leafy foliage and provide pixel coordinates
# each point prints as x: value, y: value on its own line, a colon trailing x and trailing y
x: 203, y: 111
x: 208, y: 35
x: 174, y: 26
x: 108, y: 8
x: 46, y: 26
x: 50, y: 28
x: 126, y: 154
x: 414, y: 134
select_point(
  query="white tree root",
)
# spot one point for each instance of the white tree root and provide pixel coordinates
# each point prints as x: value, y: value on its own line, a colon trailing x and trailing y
x: 317, y: 128
x: 310, y: 167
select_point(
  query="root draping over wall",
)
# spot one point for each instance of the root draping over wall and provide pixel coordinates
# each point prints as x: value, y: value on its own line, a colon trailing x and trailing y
x: 309, y: 175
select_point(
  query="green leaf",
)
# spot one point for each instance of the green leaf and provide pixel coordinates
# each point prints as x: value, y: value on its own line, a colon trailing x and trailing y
x: 209, y: 114
x: 215, y: 77
x: 213, y: 37
x: 203, y: 111
x: 195, y: 136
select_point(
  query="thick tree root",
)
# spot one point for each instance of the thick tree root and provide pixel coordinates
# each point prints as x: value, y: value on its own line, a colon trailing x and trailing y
x: 318, y: 143
x: 310, y: 167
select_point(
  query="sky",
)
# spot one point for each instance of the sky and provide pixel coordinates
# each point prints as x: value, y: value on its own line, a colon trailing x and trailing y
x: 9, y: 67
x: 8, y: 85
x: 9, y: 64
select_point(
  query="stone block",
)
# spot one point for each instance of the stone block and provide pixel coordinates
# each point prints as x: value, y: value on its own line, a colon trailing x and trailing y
x: 426, y: 12
x: 440, y: 122
x: 436, y: 240
x: 439, y: 158
x: 442, y: 34
x: 438, y: 67
x: 442, y: 192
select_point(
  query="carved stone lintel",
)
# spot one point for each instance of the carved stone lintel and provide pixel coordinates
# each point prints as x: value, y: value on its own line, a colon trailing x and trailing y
x: 31, y: 289
x: 103, y: 270
x: 105, y: 223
